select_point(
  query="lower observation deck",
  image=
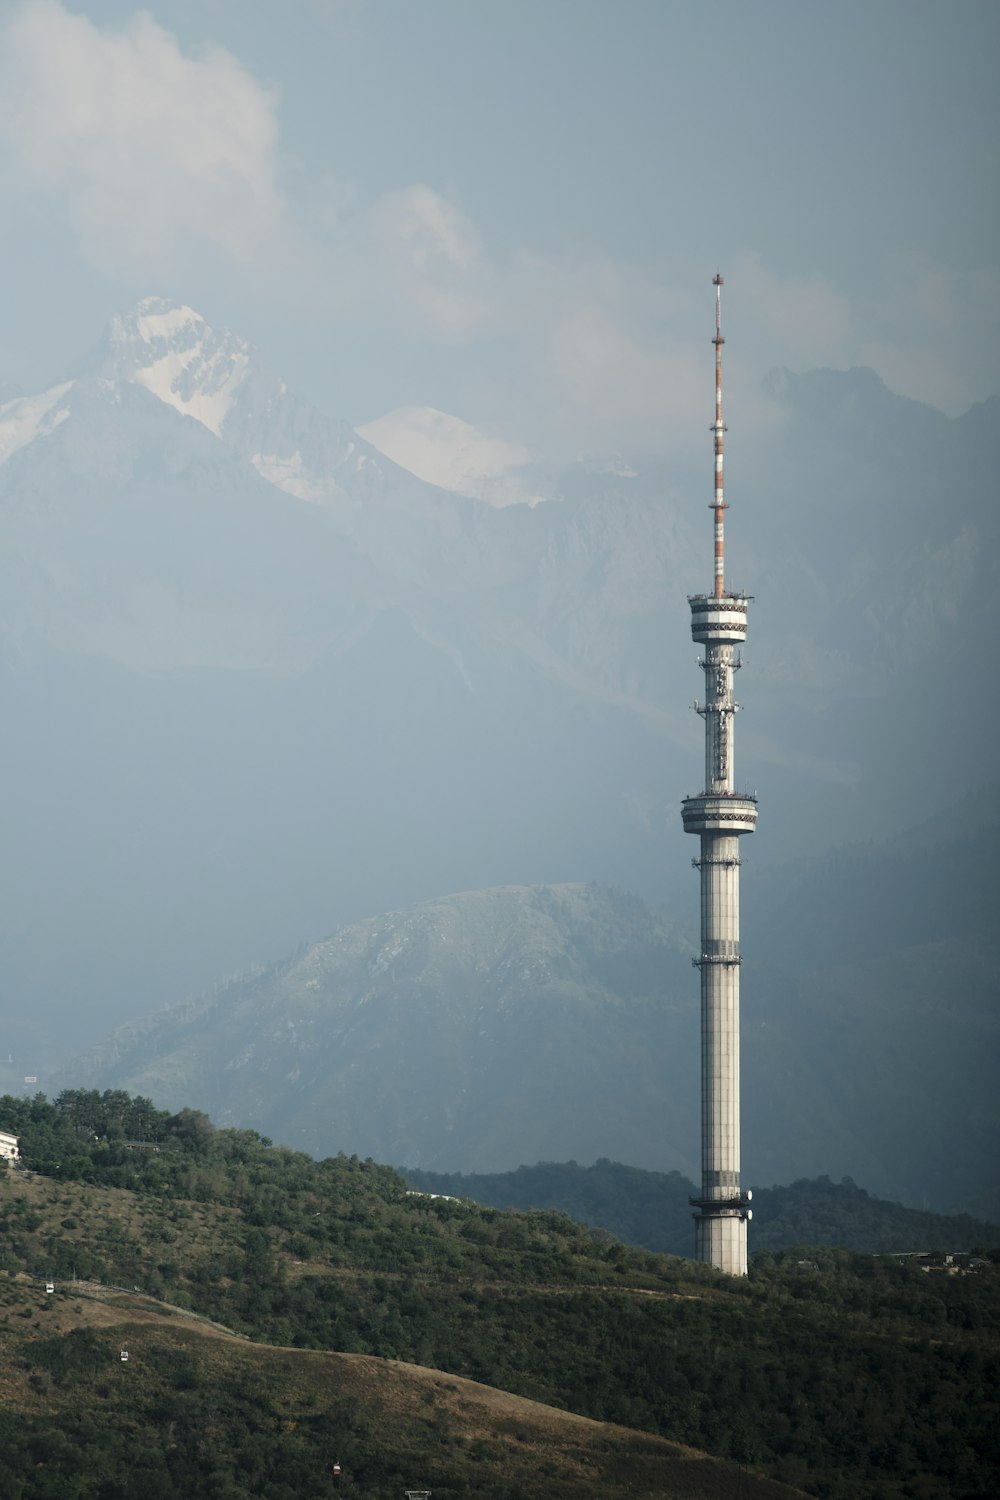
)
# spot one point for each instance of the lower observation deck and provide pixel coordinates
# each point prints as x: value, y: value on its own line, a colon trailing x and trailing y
x: 736, y: 1207
x: 720, y: 812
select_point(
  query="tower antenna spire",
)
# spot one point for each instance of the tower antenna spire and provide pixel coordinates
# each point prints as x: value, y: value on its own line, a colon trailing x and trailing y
x: 719, y: 427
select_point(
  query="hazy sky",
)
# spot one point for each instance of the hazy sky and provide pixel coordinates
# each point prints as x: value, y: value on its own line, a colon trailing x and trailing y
x: 511, y: 210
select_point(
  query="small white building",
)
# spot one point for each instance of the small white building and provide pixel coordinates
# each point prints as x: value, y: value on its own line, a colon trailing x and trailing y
x: 8, y: 1146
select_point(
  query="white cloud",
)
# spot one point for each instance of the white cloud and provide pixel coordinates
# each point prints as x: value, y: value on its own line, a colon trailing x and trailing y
x: 617, y: 389
x: 168, y: 161
x: 431, y: 261
x: 927, y: 330
x: 932, y: 334
x: 158, y: 152
x: 799, y: 315
x: 609, y: 355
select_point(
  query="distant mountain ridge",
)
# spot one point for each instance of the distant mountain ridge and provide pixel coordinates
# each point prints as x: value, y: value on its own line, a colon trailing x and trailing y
x: 495, y: 1028
x: 435, y: 1033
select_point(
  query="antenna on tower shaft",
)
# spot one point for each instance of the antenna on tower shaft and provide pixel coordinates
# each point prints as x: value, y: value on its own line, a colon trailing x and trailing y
x: 719, y: 427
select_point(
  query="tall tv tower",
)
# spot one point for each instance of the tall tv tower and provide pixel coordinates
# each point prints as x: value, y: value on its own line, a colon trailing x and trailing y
x: 719, y: 815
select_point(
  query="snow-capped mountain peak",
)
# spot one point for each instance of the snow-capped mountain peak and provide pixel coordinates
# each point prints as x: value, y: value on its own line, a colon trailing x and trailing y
x: 29, y: 417
x: 454, y: 455
x: 212, y: 375
x: 170, y: 350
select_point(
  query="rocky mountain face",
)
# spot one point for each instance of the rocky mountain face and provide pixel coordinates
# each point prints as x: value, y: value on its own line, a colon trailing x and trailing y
x: 216, y: 378
x: 497, y: 1028
x: 487, y: 1026
x: 260, y: 681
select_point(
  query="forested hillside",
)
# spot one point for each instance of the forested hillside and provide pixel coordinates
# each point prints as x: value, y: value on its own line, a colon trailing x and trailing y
x: 196, y: 1412
x: 836, y: 1373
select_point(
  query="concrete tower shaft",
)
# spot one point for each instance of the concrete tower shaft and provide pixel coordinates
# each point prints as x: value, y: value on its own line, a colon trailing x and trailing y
x: 719, y: 815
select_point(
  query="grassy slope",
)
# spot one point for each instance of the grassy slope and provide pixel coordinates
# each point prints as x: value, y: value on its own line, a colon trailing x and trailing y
x: 182, y: 1399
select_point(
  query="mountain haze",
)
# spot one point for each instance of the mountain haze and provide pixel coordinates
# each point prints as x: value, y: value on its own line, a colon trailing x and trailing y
x: 261, y: 682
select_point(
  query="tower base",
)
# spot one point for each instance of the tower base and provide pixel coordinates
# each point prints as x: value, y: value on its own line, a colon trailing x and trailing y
x: 721, y: 1241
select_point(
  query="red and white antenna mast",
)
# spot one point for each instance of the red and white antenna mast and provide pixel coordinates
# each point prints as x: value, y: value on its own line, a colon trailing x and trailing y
x: 719, y: 428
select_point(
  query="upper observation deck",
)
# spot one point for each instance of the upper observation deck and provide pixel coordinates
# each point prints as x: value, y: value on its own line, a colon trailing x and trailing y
x: 721, y: 617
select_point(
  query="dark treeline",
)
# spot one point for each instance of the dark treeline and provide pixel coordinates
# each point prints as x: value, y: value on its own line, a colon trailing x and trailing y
x: 653, y: 1209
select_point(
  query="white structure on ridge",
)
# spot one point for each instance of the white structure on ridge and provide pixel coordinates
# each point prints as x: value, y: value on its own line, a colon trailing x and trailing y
x: 719, y: 815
